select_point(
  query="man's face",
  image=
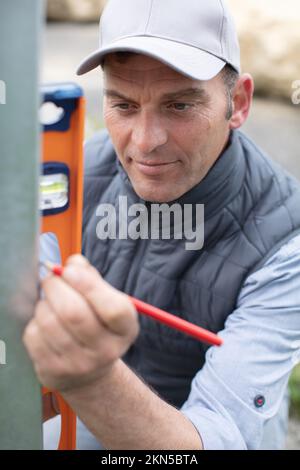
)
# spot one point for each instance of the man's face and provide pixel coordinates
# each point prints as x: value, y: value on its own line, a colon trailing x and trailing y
x: 167, y: 129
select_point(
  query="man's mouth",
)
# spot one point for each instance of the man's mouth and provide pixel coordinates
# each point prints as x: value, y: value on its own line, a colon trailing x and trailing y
x: 152, y: 169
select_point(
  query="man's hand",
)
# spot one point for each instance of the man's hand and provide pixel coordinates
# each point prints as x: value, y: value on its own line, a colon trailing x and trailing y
x: 80, y: 329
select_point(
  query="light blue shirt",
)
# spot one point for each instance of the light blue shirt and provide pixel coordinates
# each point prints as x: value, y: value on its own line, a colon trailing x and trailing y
x: 261, y: 347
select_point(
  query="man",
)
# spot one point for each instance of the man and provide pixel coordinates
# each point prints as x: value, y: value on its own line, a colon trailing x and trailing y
x: 174, y: 100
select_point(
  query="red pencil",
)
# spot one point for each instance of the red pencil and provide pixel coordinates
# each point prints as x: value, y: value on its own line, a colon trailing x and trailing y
x: 160, y: 315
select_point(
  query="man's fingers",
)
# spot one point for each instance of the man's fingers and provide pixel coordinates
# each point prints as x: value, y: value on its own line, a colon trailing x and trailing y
x: 81, y: 327
x: 111, y: 307
x: 77, y: 260
x: 73, y: 311
x: 52, y: 329
x: 39, y: 351
x: 54, y: 371
x: 114, y: 308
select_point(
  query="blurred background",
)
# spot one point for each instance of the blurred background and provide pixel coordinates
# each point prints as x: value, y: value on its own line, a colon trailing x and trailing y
x: 269, y: 35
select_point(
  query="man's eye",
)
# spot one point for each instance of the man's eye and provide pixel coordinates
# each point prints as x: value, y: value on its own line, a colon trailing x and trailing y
x: 122, y: 106
x: 180, y: 106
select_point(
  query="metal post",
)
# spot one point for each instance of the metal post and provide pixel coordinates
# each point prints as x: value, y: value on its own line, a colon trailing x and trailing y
x: 20, y: 402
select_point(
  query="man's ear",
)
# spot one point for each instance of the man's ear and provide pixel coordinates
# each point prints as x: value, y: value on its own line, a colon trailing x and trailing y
x: 241, y: 99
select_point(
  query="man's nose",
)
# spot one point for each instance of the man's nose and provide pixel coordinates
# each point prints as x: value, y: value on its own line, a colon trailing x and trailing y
x: 149, y: 133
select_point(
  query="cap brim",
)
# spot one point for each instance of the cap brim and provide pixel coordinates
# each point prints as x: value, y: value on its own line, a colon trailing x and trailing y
x: 187, y: 60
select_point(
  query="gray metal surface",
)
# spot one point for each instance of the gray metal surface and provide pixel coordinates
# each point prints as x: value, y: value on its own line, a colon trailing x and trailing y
x: 20, y: 403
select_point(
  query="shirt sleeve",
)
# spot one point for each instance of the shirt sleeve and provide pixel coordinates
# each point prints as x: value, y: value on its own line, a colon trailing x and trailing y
x: 242, y: 383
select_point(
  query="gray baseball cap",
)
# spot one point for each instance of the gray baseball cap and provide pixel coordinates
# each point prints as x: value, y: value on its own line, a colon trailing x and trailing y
x: 195, y: 37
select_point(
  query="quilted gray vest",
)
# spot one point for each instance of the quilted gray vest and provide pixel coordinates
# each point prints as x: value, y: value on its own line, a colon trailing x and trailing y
x: 252, y: 206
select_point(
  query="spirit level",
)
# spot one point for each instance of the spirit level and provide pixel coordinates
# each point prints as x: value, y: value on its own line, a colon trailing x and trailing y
x: 61, y: 189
